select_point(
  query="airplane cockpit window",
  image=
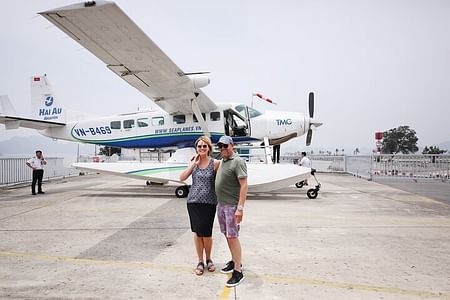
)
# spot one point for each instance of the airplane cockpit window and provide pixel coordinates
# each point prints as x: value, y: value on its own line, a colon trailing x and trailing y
x: 214, y: 116
x: 143, y: 122
x: 115, y: 125
x: 194, y: 117
x: 251, y: 111
x: 179, y: 119
x: 127, y: 124
x: 158, y: 121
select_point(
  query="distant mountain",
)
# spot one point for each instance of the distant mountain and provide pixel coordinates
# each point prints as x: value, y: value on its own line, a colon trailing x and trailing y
x: 444, y: 146
x: 26, y: 146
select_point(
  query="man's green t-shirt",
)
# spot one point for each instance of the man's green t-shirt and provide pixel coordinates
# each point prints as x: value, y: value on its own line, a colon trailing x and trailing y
x: 227, y: 179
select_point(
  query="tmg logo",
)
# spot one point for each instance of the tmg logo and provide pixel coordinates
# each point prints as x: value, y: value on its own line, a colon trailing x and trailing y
x: 283, y: 122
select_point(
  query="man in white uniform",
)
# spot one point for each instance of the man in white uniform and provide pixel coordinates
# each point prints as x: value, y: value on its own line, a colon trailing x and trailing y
x: 305, y: 162
x: 37, y: 164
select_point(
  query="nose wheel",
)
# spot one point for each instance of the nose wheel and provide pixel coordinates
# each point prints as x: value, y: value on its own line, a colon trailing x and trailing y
x: 313, y: 192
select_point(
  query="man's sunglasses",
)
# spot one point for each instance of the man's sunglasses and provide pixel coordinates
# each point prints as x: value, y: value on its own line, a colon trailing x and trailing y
x: 202, y: 146
x: 224, y: 146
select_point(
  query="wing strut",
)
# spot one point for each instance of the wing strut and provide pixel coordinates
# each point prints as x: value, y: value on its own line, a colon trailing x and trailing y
x: 267, y: 150
x: 198, y: 114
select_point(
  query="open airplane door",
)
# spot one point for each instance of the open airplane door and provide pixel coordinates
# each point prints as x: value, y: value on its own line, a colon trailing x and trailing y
x: 236, y: 124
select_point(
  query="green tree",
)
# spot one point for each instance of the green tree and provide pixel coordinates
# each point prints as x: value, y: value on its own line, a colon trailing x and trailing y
x: 433, y: 150
x: 108, y: 151
x: 402, y: 139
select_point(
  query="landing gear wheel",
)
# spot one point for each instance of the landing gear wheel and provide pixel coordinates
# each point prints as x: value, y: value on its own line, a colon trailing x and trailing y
x: 148, y: 182
x: 299, y: 184
x: 182, y: 191
x: 312, y: 193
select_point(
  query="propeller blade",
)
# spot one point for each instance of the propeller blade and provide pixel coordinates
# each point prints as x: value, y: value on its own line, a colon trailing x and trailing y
x: 311, y: 105
x: 309, y: 137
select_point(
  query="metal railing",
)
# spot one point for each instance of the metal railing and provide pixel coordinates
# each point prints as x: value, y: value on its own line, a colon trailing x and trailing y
x: 370, y: 166
x: 15, y: 170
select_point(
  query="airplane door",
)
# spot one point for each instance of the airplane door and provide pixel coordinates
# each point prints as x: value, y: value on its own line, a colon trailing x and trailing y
x: 249, y: 125
x: 236, y: 124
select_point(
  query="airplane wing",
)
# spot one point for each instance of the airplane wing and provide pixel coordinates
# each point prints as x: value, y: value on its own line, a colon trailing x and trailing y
x: 108, y: 33
x: 261, y: 177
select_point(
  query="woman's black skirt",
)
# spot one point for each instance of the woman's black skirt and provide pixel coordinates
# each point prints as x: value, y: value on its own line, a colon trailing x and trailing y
x: 201, y: 216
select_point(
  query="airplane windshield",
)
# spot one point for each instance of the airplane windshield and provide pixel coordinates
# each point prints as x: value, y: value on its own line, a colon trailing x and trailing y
x: 252, y: 112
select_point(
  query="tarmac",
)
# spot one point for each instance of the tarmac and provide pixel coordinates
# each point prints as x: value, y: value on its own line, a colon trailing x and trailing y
x: 105, y: 237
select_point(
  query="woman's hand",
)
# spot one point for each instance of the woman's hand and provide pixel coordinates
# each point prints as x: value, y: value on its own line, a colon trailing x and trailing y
x: 194, y: 160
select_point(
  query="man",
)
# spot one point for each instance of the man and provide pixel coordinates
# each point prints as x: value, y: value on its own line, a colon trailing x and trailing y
x: 305, y: 162
x: 231, y: 189
x: 37, y: 164
x: 276, y: 154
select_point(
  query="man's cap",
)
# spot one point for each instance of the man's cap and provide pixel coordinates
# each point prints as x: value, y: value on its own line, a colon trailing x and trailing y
x: 225, y: 139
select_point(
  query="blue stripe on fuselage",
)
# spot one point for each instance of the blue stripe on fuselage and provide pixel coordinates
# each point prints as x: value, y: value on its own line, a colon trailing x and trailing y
x: 168, y: 141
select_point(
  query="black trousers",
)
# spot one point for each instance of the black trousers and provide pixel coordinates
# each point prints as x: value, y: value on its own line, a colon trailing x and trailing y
x: 276, y: 154
x: 37, y: 176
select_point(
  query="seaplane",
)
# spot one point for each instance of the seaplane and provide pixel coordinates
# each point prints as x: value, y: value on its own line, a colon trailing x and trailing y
x: 184, y: 111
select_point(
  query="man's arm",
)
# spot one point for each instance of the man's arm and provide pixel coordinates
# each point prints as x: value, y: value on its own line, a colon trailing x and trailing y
x: 29, y: 164
x: 242, y: 197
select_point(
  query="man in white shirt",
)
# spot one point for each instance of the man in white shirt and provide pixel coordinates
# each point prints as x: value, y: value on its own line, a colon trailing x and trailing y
x: 305, y: 162
x: 37, y: 164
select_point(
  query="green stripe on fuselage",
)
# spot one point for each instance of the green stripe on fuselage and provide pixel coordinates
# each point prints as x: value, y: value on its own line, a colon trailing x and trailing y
x: 158, y: 170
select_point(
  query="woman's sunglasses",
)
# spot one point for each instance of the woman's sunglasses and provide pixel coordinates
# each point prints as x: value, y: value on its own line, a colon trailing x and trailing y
x: 202, y: 146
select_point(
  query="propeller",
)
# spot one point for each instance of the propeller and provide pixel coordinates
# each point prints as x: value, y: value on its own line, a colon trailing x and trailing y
x: 311, y: 105
x: 311, y: 122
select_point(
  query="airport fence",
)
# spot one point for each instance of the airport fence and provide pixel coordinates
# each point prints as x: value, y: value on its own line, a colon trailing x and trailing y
x: 413, y: 166
x: 14, y: 170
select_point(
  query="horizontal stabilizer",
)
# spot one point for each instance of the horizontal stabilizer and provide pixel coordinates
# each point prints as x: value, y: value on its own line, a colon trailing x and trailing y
x: 9, y: 118
x: 14, y: 122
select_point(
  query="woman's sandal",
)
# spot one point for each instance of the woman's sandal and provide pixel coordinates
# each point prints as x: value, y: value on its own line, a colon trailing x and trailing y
x: 200, y: 268
x: 210, y: 265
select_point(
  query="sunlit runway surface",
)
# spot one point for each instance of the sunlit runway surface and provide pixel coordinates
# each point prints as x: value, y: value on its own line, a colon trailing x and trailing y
x: 103, y: 237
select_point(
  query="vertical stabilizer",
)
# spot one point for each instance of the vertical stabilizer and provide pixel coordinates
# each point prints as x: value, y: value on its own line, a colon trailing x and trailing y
x: 45, y: 105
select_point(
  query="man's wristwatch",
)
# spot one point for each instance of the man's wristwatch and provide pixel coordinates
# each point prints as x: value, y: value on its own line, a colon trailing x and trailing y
x: 240, y: 208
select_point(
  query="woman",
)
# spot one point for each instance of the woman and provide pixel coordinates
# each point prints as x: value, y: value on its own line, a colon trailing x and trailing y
x: 202, y: 201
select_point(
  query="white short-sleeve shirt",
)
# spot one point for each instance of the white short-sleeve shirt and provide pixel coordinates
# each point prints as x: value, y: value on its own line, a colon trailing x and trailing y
x: 36, y: 163
x: 305, y: 162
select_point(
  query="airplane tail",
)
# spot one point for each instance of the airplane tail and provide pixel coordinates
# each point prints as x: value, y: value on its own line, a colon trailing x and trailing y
x: 45, y: 105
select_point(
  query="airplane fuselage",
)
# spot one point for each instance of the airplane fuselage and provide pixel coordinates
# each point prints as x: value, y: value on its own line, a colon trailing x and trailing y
x: 158, y: 129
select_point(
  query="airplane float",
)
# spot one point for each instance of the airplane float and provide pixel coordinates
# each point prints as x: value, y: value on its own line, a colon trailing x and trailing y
x: 186, y: 112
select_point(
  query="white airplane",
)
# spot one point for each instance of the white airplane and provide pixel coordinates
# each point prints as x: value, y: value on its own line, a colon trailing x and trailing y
x: 186, y: 112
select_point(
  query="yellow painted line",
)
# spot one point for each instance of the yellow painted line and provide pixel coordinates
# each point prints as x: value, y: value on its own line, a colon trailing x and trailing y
x: 343, y: 285
x: 226, y: 291
x: 225, y: 294
x: 132, y: 265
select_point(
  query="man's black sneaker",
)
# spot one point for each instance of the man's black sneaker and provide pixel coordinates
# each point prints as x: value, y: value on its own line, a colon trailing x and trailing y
x: 41, y: 192
x: 228, y: 268
x: 235, y: 279
x: 33, y: 193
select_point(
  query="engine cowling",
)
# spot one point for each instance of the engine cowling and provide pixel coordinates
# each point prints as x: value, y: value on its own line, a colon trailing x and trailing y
x: 199, y: 81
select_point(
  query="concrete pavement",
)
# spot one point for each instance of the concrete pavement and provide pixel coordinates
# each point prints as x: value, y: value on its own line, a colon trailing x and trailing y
x: 104, y: 237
